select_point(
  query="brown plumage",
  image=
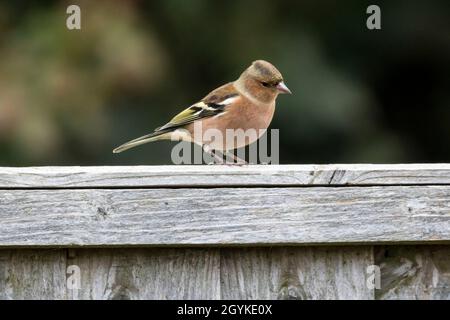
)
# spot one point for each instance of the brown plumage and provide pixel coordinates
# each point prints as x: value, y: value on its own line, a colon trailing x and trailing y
x: 247, y: 103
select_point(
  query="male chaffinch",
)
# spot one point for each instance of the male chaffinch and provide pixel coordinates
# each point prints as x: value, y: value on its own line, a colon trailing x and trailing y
x: 247, y: 103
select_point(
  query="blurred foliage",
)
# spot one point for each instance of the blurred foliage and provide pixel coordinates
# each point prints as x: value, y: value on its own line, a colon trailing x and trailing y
x: 68, y: 97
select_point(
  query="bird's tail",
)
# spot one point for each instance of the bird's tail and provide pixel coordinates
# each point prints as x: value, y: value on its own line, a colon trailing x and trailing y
x: 154, y: 136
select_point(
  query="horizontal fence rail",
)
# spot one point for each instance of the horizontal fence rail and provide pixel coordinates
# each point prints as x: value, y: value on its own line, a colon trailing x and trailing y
x: 223, y: 205
x: 224, y: 176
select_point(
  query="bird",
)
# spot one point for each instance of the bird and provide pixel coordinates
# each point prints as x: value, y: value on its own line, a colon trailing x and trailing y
x: 247, y: 103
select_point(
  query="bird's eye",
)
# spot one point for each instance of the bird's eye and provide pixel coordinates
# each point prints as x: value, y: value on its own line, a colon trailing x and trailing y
x: 266, y: 84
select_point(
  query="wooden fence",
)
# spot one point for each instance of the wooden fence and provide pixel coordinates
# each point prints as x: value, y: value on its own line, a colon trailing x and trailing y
x: 221, y: 232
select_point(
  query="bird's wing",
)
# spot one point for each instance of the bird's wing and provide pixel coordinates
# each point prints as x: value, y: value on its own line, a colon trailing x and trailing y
x: 213, y: 104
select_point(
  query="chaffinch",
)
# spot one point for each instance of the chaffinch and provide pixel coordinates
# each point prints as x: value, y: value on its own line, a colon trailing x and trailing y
x: 247, y: 103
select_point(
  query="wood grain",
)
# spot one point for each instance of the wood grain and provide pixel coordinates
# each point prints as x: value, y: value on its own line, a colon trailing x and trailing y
x: 32, y: 274
x: 407, y: 272
x: 227, y: 216
x: 414, y: 272
x: 232, y: 273
x: 219, y: 176
x: 136, y: 274
x: 296, y: 273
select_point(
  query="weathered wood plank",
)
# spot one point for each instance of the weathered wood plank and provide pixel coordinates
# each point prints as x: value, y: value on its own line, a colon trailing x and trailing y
x: 217, y: 176
x: 32, y: 274
x: 225, y: 206
x: 132, y: 274
x: 296, y: 273
x: 414, y: 272
x: 226, y: 216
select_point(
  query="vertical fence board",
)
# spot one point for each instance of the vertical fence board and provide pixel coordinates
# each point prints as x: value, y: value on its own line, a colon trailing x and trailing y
x: 296, y: 273
x: 414, y: 272
x: 32, y: 274
x: 122, y: 274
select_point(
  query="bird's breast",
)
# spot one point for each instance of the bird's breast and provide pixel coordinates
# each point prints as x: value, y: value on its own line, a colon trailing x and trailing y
x: 240, y: 125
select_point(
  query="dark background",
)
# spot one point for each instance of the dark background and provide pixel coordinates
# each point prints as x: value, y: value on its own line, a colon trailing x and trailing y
x: 69, y: 97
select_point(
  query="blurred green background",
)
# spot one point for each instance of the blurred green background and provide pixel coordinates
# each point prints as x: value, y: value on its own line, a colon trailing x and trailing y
x: 69, y: 97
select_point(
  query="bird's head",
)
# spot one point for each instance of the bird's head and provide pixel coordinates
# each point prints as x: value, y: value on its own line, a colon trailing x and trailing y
x: 263, y: 81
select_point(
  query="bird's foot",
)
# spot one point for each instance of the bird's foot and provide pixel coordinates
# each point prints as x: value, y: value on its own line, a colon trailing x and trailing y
x: 233, y: 160
x: 236, y: 164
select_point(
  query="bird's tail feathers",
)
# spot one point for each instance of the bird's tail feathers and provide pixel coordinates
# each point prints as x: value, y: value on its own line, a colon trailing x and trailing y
x: 154, y: 136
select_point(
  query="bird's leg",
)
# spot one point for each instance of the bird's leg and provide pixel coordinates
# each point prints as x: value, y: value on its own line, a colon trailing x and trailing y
x: 236, y: 160
x: 209, y: 150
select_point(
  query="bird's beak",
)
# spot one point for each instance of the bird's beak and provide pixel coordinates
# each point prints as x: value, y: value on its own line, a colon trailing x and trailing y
x: 282, y: 88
